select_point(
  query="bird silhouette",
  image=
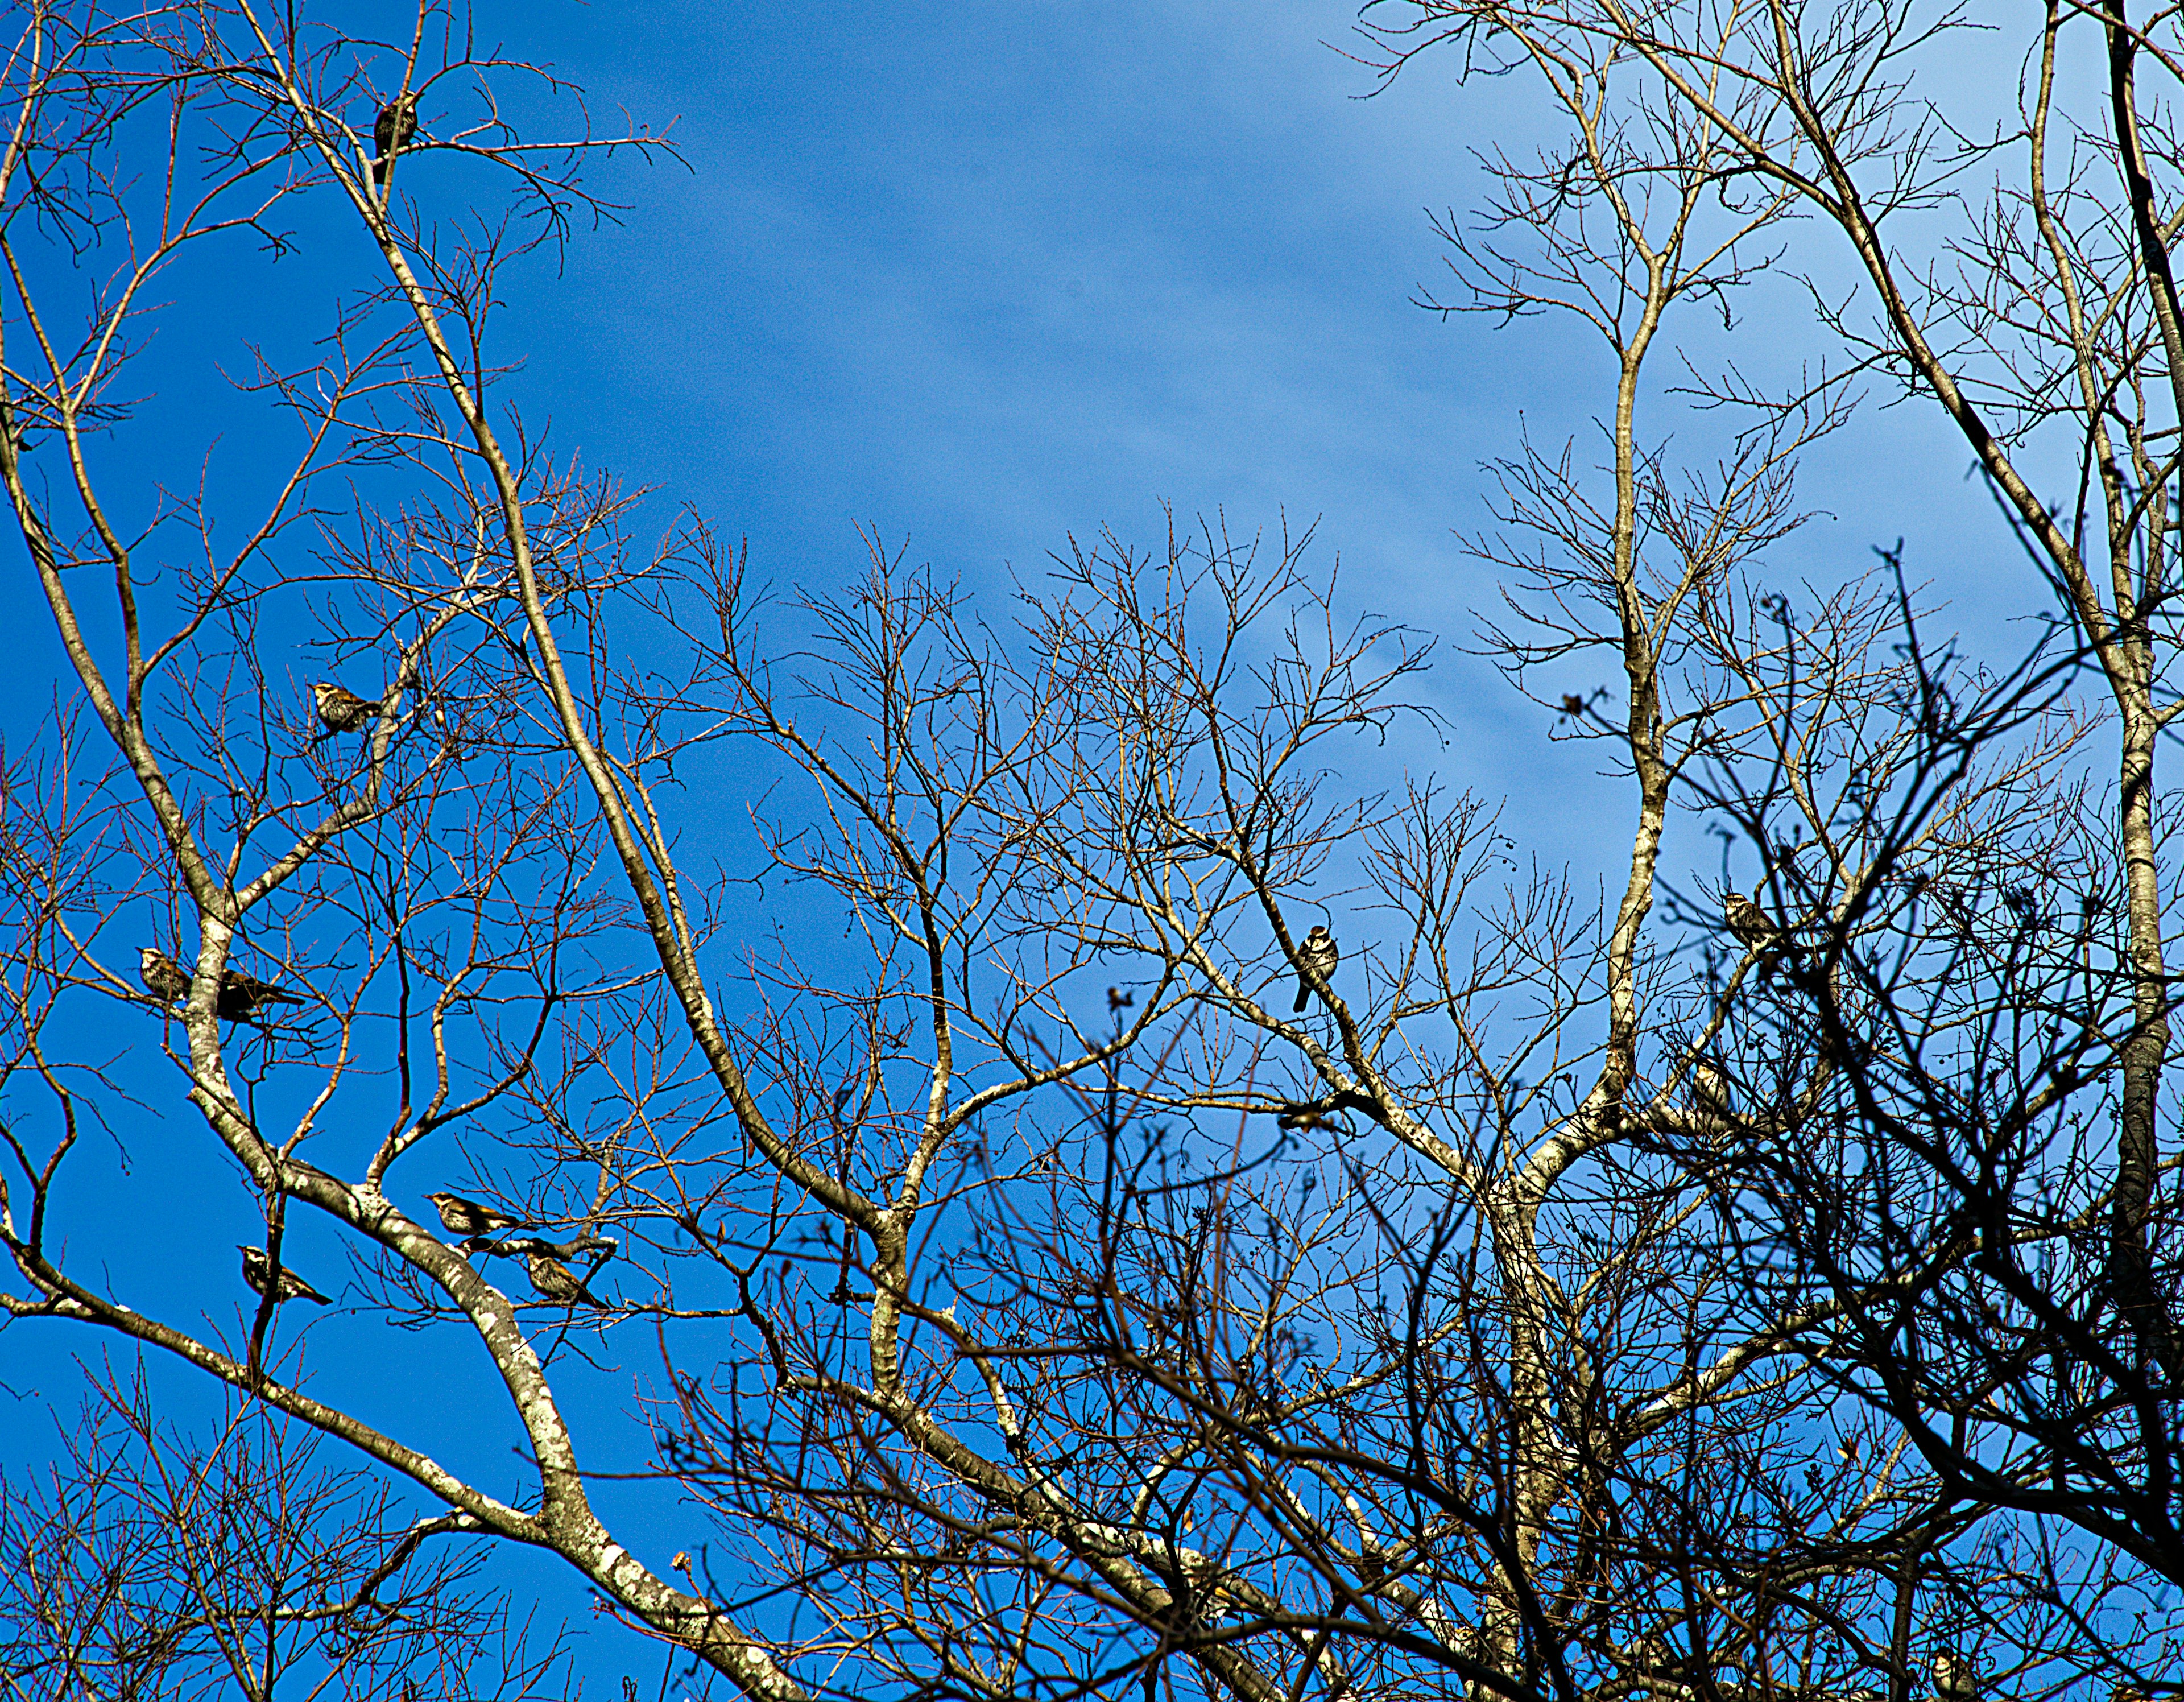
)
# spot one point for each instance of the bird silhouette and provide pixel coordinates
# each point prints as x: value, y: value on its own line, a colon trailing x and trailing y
x: 462, y: 1217
x: 390, y: 133
x: 341, y: 710
x: 291, y: 1287
x: 240, y: 994
x: 1320, y: 954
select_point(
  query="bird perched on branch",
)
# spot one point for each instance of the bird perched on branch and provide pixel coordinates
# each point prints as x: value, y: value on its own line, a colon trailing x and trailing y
x: 340, y: 710
x: 240, y: 994
x: 556, y: 1281
x: 1320, y: 954
x: 1956, y: 1677
x: 462, y: 1217
x: 391, y: 134
x: 164, y: 978
x: 1709, y: 1085
x: 291, y: 1287
x: 1756, y: 930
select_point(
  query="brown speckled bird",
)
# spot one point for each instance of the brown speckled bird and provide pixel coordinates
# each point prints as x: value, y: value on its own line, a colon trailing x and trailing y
x: 390, y: 134
x: 292, y: 1287
x: 556, y: 1281
x: 163, y: 978
x: 1318, y: 953
x: 340, y: 710
x: 462, y: 1217
x: 1752, y: 926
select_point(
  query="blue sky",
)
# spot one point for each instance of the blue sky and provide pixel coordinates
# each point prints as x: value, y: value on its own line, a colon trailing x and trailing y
x: 982, y: 277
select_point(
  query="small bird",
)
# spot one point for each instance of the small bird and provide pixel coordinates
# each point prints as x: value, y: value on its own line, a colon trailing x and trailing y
x: 1301, y: 1118
x: 391, y: 134
x: 340, y: 710
x: 291, y: 1287
x: 1318, y: 954
x: 240, y: 994
x: 1956, y: 1679
x: 1709, y: 1084
x: 1751, y: 925
x: 1572, y: 704
x: 462, y: 1217
x: 556, y: 1281
x: 164, y: 978
x: 1118, y: 999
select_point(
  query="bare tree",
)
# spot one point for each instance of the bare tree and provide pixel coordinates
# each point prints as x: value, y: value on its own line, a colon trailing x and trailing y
x: 149, y: 1564
x: 2003, y: 1013
x: 1044, y: 1305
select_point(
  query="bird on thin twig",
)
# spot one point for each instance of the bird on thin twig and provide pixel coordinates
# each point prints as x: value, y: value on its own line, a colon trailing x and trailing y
x: 1749, y: 923
x: 164, y: 978
x: 1956, y: 1679
x: 291, y: 1287
x: 390, y: 133
x: 1118, y: 1000
x: 459, y: 1216
x: 341, y: 710
x: 556, y: 1281
x: 1709, y: 1084
x: 1757, y: 930
x: 1320, y: 954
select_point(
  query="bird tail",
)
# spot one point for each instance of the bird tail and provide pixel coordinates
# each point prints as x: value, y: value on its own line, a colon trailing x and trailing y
x: 274, y: 996
x: 313, y: 1294
x: 379, y: 172
x: 1304, y: 995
